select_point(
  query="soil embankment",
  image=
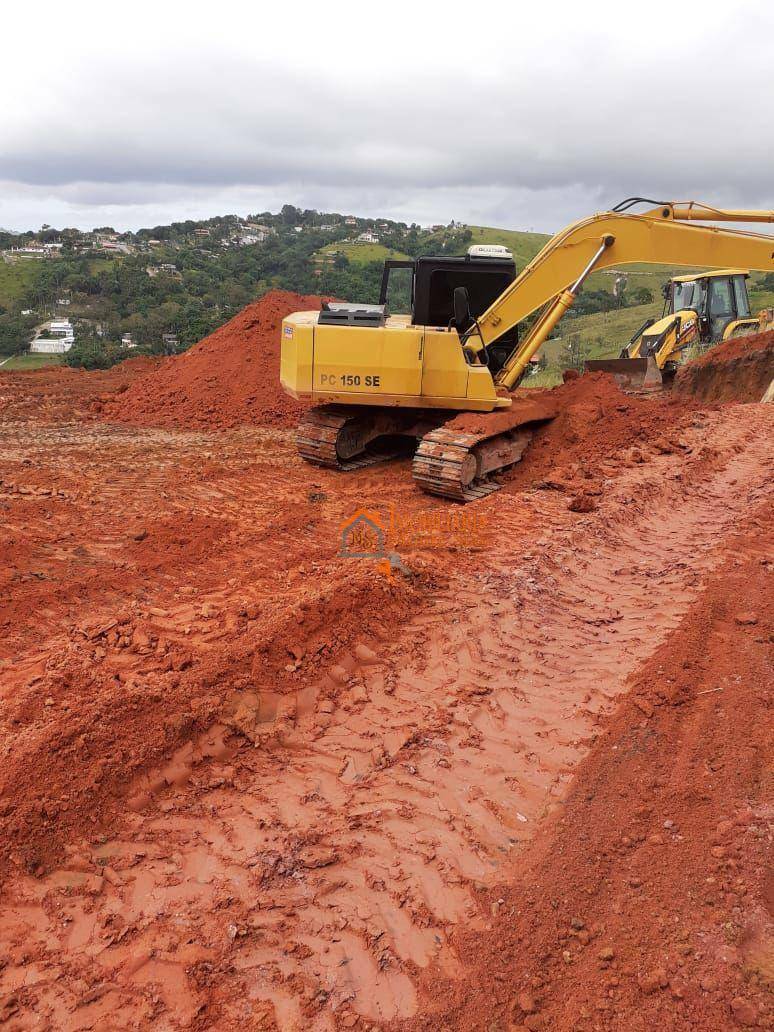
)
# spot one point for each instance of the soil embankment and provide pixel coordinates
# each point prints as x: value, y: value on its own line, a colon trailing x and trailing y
x: 229, y: 379
x: 739, y: 370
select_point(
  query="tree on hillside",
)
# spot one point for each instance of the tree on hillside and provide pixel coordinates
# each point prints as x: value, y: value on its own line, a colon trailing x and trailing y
x: 639, y: 296
x: 15, y: 333
x: 573, y: 353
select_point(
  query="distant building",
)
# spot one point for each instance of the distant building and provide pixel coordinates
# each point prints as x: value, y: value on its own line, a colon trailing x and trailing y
x: 369, y: 237
x: 59, y: 339
x: 116, y: 247
x: 33, y: 251
x: 127, y: 342
x: 246, y: 239
x: 168, y: 268
x: 350, y: 221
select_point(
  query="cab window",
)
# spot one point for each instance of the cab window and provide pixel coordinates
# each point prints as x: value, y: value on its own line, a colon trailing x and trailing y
x: 740, y: 293
x: 721, y: 300
x: 686, y: 295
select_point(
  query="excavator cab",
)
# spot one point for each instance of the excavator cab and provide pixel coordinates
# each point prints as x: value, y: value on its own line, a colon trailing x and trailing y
x: 429, y: 289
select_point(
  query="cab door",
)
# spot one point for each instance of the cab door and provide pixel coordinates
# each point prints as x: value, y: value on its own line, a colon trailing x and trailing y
x: 721, y: 309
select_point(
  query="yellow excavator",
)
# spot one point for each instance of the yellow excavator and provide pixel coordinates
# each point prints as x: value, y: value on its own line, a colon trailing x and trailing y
x: 700, y: 310
x: 443, y: 373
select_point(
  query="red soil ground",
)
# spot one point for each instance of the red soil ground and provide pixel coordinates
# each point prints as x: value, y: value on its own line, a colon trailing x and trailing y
x: 247, y: 782
x: 739, y: 370
x: 229, y: 379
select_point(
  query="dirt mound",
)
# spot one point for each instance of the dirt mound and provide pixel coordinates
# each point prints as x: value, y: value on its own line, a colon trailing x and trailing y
x: 598, y: 430
x: 85, y: 709
x: 247, y: 780
x: 739, y: 370
x: 229, y: 379
x: 538, y: 406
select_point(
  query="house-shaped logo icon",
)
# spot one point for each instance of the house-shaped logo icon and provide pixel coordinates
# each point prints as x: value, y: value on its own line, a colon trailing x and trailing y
x: 362, y: 535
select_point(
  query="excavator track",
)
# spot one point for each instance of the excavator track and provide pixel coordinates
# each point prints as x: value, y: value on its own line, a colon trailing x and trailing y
x: 337, y: 438
x: 450, y: 462
x: 458, y: 465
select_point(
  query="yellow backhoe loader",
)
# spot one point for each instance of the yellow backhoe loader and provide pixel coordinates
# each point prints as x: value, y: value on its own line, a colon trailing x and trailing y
x: 699, y: 310
x: 376, y: 378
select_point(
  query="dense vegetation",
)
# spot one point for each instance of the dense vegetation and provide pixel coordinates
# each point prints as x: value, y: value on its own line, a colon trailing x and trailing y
x: 175, y: 282
x: 187, y: 278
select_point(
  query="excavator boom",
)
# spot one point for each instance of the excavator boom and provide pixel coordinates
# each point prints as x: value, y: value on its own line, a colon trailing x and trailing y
x: 665, y: 235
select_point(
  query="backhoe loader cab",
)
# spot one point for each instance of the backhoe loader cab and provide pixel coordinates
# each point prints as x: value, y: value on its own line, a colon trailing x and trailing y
x: 700, y: 310
x: 718, y: 299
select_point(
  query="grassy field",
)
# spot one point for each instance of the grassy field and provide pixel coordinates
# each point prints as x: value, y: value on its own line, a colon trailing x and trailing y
x: 30, y: 362
x: 103, y: 264
x: 605, y: 333
x: 524, y: 246
x: 760, y: 298
x: 15, y: 279
x: 361, y: 254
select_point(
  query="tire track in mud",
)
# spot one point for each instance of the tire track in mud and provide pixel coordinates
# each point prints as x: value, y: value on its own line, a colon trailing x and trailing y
x: 160, y: 486
x: 299, y: 864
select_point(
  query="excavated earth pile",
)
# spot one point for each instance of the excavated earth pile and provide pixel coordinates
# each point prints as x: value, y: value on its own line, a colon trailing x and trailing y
x: 518, y: 778
x: 229, y: 379
x: 739, y: 370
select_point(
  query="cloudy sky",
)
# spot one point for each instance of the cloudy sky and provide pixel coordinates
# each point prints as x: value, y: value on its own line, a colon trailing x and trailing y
x: 142, y: 113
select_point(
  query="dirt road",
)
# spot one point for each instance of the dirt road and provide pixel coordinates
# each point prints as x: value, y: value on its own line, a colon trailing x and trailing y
x: 248, y: 782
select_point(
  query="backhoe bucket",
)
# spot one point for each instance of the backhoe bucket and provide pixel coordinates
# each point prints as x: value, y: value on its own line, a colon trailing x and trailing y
x: 634, y: 373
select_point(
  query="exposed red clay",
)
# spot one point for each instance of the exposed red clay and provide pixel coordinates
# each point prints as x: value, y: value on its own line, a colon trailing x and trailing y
x: 249, y: 782
x: 738, y: 370
x: 229, y: 379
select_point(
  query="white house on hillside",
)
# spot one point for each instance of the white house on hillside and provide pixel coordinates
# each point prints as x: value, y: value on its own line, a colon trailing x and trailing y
x: 59, y: 338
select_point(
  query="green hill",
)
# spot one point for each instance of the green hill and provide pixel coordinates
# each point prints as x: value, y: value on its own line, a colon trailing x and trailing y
x: 361, y: 254
x: 15, y: 279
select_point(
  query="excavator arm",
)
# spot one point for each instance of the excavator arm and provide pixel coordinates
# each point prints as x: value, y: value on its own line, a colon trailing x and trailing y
x: 664, y: 235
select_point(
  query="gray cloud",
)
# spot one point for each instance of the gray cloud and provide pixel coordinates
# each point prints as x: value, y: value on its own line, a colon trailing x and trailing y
x: 517, y: 141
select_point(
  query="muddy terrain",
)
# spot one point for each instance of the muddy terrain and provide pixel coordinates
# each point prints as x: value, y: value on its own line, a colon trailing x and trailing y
x: 519, y: 777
